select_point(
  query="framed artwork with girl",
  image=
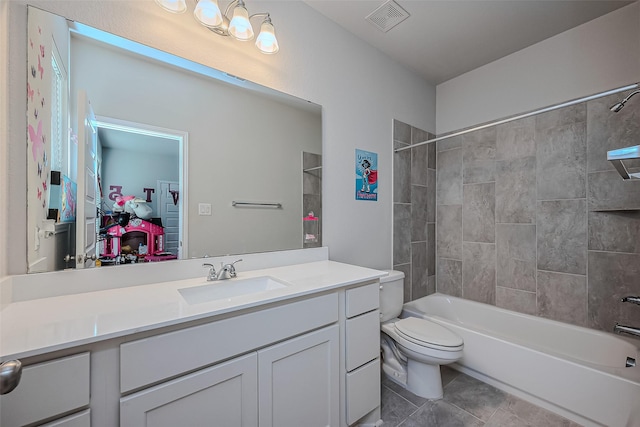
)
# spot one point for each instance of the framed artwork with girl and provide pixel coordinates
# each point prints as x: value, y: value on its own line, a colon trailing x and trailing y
x: 366, y: 175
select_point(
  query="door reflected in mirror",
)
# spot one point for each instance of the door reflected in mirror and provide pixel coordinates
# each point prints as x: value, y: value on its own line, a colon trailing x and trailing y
x: 176, y: 143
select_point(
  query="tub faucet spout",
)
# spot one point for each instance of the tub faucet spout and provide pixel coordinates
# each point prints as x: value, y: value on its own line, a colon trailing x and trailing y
x: 620, y: 329
x: 633, y: 300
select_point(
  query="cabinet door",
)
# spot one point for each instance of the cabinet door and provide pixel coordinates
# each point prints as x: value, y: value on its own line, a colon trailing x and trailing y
x: 224, y: 395
x: 82, y: 419
x: 299, y: 381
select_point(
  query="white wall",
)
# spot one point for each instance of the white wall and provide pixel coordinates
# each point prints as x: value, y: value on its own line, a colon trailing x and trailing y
x: 599, y: 55
x: 361, y: 91
x: 4, y: 134
x: 136, y: 171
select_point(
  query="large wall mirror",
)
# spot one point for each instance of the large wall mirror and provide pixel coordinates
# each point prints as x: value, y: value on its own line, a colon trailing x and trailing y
x: 136, y: 155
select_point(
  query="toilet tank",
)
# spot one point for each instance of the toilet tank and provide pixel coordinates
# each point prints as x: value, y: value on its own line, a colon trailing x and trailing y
x: 391, y: 295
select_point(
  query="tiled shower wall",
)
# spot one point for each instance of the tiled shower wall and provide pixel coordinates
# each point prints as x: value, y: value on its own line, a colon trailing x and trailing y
x: 312, y: 192
x: 414, y: 210
x: 533, y: 218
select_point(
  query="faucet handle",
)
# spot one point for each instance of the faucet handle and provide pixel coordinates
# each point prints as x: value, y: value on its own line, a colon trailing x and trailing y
x: 232, y: 268
x: 212, y: 271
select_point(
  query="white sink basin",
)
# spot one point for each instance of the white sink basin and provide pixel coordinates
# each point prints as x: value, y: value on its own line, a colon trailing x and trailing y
x: 227, y: 289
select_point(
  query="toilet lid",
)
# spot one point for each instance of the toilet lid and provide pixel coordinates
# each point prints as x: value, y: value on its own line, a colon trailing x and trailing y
x: 427, y: 332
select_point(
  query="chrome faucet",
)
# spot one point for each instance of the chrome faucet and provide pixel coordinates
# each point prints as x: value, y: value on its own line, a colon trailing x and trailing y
x: 620, y: 329
x: 211, y: 276
x: 633, y: 300
x: 228, y: 271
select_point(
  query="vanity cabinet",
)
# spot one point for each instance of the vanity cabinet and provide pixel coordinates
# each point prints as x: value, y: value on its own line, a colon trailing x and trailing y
x: 225, y: 393
x: 50, y: 391
x: 312, y: 360
x: 284, y: 357
x: 362, y: 350
x: 278, y: 377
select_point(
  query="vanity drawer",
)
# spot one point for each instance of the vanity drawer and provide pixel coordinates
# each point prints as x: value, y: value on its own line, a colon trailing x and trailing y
x: 363, y: 391
x: 362, y: 299
x: 157, y: 358
x: 47, y: 389
x: 362, y: 339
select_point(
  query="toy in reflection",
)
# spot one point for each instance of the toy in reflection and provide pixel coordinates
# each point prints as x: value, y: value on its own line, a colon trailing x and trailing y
x: 132, y: 205
x: 130, y: 234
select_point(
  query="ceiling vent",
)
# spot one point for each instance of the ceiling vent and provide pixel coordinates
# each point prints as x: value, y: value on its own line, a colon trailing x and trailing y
x: 387, y: 16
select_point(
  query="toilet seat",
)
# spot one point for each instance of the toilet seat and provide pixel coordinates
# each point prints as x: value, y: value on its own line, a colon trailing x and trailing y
x: 428, y: 334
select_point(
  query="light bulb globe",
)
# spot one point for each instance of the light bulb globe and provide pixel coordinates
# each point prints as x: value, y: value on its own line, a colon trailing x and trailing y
x: 240, y: 27
x: 207, y: 12
x: 173, y: 6
x: 266, y: 41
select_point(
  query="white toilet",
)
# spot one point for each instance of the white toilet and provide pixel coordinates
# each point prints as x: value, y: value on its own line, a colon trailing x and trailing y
x: 413, y: 349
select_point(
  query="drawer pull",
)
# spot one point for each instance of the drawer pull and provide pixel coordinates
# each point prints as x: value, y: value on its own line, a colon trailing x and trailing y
x: 10, y: 373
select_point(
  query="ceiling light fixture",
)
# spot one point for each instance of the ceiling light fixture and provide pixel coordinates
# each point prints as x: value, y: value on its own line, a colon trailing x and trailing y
x: 237, y: 24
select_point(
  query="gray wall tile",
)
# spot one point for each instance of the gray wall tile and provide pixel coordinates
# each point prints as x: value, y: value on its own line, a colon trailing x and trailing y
x: 449, y: 143
x: 614, y: 231
x: 449, y: 277
x: 418, y: 136
x: 561, y: 162
x: 419, y: 198
x: 431, y: 249
x: 516, y: 139
x: 431, y: 157
x: 449, y: 231
x: 516, y: 256
x: 414, y: 217
x: 516, y: 190
x: 562, y: 236
x: 562, y: 297
x: 541, y: 197
x: 431, y: 196
x: 419, y: 160
x: 401, y: 233
x: 406, y: 269
x: 478, y: 213
x: 516, y: 300
x: 431, y: 285
x: 401, y: 132
x: 608, y: 191
x: 607, y: 130
x: 449, y: 178
x: 611, y: 277
x: 401, y: 175
x: 418, y: 269
x: 479, y: 272
x: 479, y: 155
x: 562, y: 117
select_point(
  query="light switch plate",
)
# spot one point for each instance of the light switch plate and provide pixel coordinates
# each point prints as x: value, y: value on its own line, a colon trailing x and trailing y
x: 204, y: 208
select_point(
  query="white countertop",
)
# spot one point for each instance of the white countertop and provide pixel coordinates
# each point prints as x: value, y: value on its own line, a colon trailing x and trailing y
x: 37, y: 326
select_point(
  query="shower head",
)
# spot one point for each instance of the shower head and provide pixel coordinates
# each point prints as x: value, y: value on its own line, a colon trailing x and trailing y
x: 618, y: 106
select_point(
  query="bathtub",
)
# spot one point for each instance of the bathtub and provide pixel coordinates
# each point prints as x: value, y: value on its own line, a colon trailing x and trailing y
x: 576, y: 372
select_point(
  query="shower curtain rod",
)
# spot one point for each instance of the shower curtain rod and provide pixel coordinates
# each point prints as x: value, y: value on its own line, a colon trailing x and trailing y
x: 521, y: 116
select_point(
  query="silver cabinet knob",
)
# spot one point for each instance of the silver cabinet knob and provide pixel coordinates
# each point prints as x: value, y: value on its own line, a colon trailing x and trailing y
x: 10, y: 374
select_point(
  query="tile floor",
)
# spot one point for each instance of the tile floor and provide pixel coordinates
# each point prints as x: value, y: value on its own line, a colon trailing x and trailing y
x: 466, y: 402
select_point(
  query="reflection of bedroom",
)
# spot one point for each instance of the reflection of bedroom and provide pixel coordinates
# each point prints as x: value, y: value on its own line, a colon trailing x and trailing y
x: 138, y: 187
